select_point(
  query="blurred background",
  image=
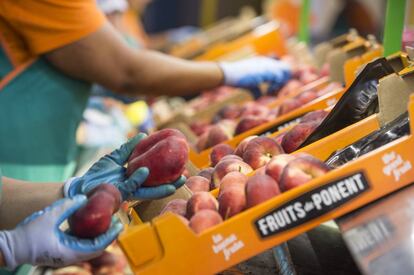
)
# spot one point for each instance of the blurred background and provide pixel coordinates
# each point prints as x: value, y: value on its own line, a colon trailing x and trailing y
x: 329, y: 18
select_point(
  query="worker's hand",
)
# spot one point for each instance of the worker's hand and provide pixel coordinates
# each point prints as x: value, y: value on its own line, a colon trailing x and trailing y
x: 38, y: 240
x: 110, y: 169
x: 251, y: 73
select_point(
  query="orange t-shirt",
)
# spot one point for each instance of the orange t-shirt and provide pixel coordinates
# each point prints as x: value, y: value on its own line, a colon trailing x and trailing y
x: 30, y: 28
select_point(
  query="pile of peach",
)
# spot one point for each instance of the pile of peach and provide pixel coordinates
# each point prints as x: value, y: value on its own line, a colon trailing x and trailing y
x: 238, y: 192
x: 276, y: 172
x: 235, y: 119
x: 254, y: 152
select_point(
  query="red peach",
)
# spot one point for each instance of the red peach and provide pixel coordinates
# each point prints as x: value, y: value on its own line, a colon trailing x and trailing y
x: 315, y: 116
x: 206, y: 173
x: 233, y: 178
x: 218, y: 152
x: 202, y: 142
x: 297, y: 135
x: 279, y: 138
x: 232, y: 200
x: 145, y: 144
x: 248, y: 123
x: 94, y: 218
x: 254, y: 109
x: 300, y: 171
x: 289, y: 105
x: 176, y: 206
x: 228, y: 112
x: 240, y: 148
x: 260, y: 188
x: 198, y: 184
x: 276, y: 165
x: 290, y: 87
x: 260, y: 150
x: 216, y: 135
x: 199, y: 127
x: 227, y: 166
x: 306, y: 97
x: 234, y: 157
x: 165, y: 160
x: 264, y: 100
x: 199, y: 201
x: 204, y: 219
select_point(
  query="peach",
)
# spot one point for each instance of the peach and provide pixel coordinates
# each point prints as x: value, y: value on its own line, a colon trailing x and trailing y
x: 279, y: 138
x: 145, y: 144
x: 165, y: 160
x: 184, y: 220
x: 240, y: 148
x: 218, y: 152
x: 333, y: 86
x: 308, y: 77
x: 216, y: 135
x: 297, y: 135
x: 290, y: 87
x: 94, y: 218
x: 260, y: 150
x: 227, y: 166
x: 260, y: 188
x: 265, y: 100
x: 315, y: 116
x: 199, y: 201
x: 234, y: 157
x: 307, y: 96
x: 176, y: 206
x: 300, y: 171
x: 199, y: 127
x: 109, y: 188
x: 206, y: 173
x: 228, y: 112
x: 202, y: 142
x: 106, y: 259
x: 254, y: 109
x: 233, y: 178
x: 248, y: 123
x: 261, y: 171
x: 232, y: 201
x: 289, y: 105
x: 204, y: 219
x: 198, y: 184
x: 276, y: 165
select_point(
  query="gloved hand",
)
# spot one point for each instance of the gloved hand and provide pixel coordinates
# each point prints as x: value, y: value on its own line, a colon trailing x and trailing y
x: 39, y: 241
x: 110, y: 169
x: 252, y: 72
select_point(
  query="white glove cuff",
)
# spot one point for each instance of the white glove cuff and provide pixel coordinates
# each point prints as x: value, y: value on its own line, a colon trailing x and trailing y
x: 228, y: 69
x: 66, y: 186
x: 7, y: 249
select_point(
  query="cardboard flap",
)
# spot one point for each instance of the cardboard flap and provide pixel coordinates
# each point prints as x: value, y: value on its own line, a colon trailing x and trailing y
x: 339, y: 56
x: 398, y: 61
x: 393, y: 96
x: 147, y: 210
x: 321, y: 52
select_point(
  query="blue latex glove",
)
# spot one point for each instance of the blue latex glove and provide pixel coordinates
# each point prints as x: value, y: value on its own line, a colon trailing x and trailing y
x: 251, y: 73
x: 39, y: 241
x: 110, y: 169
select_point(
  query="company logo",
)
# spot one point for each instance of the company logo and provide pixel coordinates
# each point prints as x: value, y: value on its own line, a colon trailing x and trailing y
x: 367, y: 237
x: 228, y: 246
x: 395, y: 165
x: 311, y: 205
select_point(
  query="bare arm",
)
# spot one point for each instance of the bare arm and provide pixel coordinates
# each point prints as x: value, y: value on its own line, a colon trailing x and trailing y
x: 103, y: 57
x: 2, y: 263
x: 20, y: 199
